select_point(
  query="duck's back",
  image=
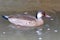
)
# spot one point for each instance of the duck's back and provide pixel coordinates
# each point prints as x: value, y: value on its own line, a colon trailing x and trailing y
x: 23, y: 17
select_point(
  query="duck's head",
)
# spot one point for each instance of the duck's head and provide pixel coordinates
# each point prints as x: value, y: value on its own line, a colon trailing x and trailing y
x: 41, y: 14
x: 5, y: 17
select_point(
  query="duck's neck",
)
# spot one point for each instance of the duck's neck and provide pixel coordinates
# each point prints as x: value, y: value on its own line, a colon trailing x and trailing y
x: 40, y: 21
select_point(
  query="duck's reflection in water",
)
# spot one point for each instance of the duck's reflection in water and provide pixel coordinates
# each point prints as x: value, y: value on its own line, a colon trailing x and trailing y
x: 27, y: 31
x: 21, y: 28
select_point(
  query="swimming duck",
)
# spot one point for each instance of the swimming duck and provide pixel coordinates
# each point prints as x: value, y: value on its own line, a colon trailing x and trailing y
x: 26, y: 20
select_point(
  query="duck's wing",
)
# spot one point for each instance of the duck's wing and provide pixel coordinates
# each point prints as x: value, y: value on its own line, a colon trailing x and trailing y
x: 23, y: 20
x: 24, y: 17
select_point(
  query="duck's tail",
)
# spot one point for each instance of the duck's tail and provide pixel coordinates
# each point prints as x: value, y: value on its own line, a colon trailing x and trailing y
x: 5, y: 17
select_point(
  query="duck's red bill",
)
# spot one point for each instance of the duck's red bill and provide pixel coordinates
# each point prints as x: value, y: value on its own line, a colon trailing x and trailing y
x: 48, y: 16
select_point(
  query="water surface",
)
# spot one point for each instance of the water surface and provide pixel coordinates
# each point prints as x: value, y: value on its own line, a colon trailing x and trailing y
x: 8, y: 33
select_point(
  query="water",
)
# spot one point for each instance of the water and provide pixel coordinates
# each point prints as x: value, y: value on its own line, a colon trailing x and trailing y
x: 53, y: 33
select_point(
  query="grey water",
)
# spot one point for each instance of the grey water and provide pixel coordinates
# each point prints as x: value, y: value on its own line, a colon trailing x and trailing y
x: 53, y: 33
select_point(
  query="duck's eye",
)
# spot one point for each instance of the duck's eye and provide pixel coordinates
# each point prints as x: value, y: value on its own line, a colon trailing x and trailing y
x: 43, y: 13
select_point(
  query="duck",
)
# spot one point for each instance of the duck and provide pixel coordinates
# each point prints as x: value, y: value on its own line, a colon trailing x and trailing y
x: 27, y: 21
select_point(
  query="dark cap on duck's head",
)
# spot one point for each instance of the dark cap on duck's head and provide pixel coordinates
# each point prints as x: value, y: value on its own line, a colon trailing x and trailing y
x: 5, y: 17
